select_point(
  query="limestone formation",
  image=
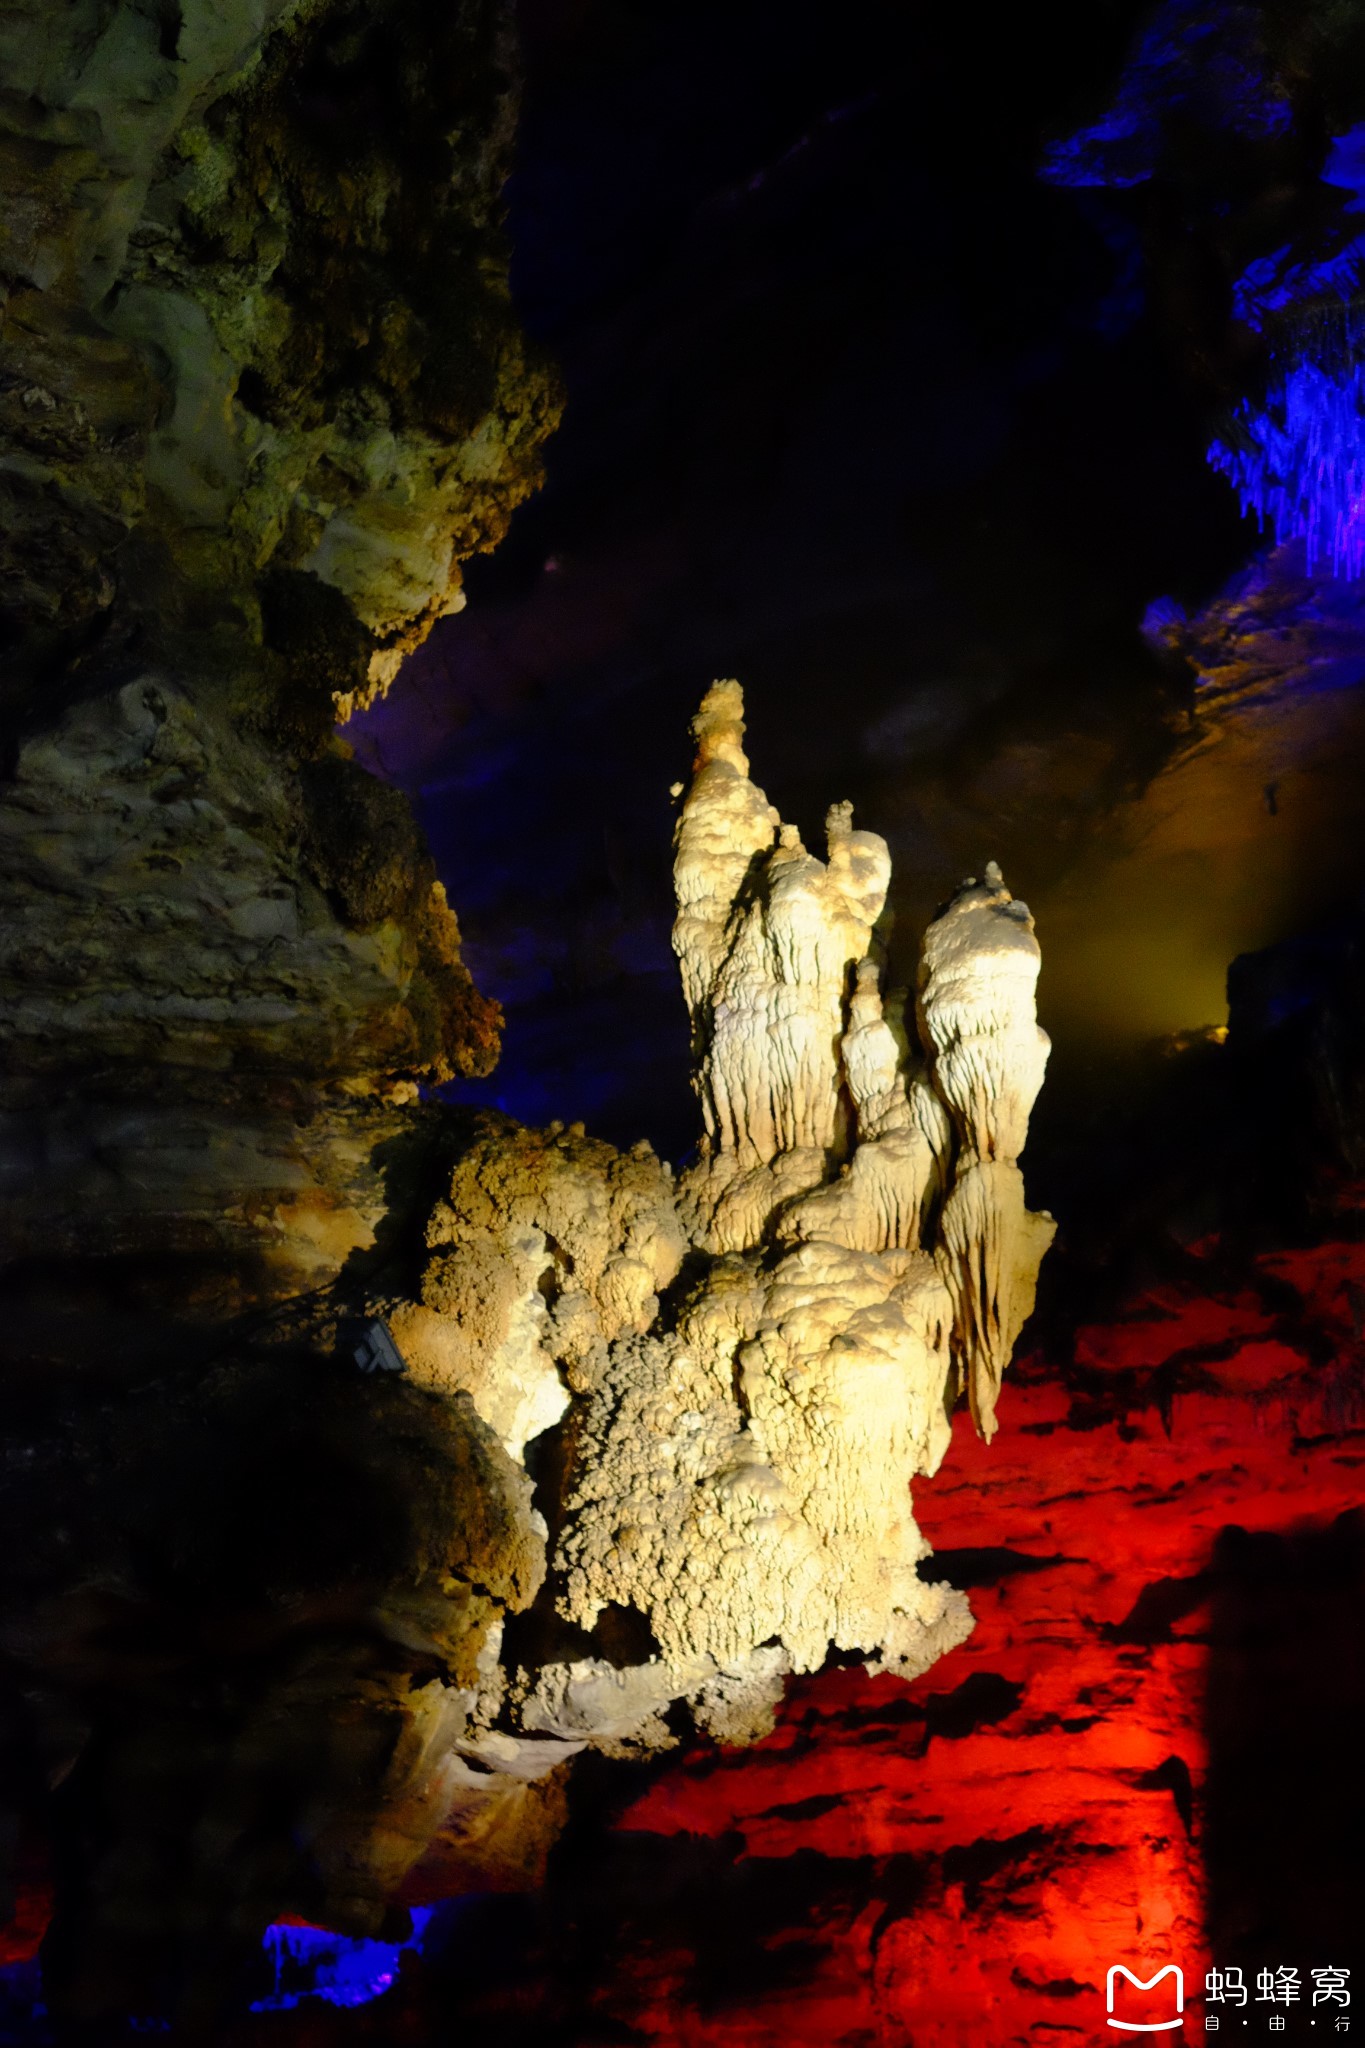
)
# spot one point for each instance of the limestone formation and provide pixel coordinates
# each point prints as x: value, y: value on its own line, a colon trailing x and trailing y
x: 240, y: 1049
x: 262, y: 392
x: 743, y: 1371
x: 976, y: 1001
x: 766, y: 935
x: 220, y: 353
x: 653, y: 1448
x: 977, y: 980
x: 546, y: 1249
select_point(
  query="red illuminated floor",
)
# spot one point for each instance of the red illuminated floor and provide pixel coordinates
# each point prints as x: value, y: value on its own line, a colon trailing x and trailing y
x: 1035, y: 1810
x: 1153, y: 1730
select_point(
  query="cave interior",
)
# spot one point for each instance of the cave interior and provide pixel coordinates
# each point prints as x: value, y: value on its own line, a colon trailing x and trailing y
x: 513, y: 1516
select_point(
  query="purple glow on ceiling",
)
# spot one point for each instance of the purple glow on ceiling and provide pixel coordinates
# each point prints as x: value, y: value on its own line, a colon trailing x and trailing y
x: 1298, y: 462
x: 1192, y: 60
x: 1345, y: 165
x: 1290, y: 277
x: 1273, y: 282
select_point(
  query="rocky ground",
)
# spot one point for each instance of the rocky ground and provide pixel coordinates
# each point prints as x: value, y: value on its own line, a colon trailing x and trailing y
x: 1145, y: 1752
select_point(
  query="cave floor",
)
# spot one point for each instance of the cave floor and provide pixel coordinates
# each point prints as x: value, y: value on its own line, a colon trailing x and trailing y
x: 1166, y: 1560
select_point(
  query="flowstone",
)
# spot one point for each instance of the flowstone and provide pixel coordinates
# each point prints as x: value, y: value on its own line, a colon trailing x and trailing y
x: 737, y: 1373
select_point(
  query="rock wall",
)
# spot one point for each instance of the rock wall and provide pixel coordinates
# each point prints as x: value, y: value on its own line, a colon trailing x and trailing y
x: 257, y: 312
x: 262, y: 392
x: 250, y: 1616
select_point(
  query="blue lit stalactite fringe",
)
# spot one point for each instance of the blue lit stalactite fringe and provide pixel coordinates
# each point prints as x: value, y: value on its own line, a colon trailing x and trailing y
x: 1297, y: 458
x: 343, y: 1970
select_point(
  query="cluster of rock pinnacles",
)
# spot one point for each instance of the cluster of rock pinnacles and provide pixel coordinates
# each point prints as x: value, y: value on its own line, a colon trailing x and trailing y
x: 849, y: 1251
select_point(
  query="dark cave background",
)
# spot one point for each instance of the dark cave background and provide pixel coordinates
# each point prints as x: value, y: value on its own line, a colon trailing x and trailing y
x: 860, y: 411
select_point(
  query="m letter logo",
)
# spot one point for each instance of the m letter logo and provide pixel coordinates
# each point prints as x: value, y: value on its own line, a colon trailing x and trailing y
x: 1145, y: 1984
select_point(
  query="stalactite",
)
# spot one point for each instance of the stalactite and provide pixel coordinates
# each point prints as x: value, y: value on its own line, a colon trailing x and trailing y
x: 1297, y: 461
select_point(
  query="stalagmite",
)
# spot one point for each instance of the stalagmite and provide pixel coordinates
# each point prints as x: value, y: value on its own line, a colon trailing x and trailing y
x: 766, y: 935
x: 977, y: 981
x: 850, y: 1246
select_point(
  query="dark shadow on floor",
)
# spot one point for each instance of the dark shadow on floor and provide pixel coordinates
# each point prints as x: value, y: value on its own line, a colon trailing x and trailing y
x: 1284, y: 1829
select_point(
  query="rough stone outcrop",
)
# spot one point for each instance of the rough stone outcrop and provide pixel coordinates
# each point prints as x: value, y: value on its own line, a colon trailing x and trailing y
x: 257, y: 309
x: 258, y: 1625
x: 261, y: 392
x: 240, y: 1049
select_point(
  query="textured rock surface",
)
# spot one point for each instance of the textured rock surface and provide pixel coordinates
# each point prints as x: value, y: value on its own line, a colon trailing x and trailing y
x: 764, y: 1354
x: 546, y: 1248
x: 1100, y: 1772
x: 257, y: 1614
x: 220, y: 352
x: 262, y: 391
x: 746, y: 1481
x: 976, y: 1004
x: 226, y: 1051
x: 766, y: 935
